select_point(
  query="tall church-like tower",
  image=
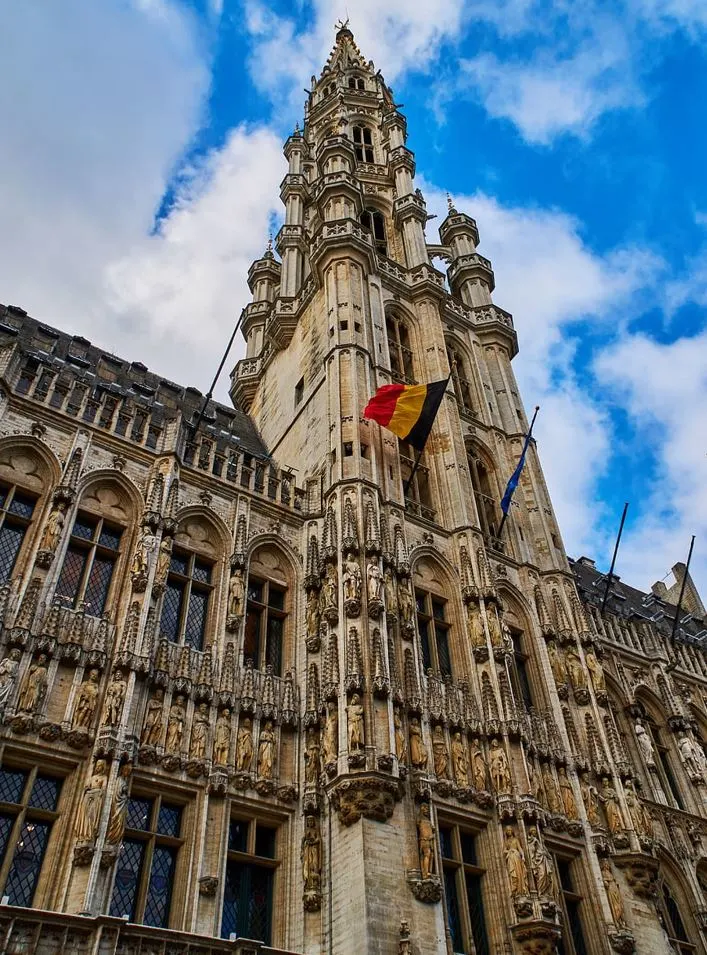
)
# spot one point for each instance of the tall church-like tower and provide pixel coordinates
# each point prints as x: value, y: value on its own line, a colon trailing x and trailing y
x: 264, y: 691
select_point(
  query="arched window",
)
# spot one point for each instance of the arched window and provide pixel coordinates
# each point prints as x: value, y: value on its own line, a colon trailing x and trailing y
x: 433, y: 627
x: 16, y: 510
x: 266, y: 611
x: 418, y: 499
x: 89, y: 562
x: 461, y: 378
x: 363, y: 144
x: 673, y: 921
x: 486, y: 499
x: 373, y: 220
x: 399, y: 349
x: 187, y: 598
x: 520, y: 670
x: 663, y: 767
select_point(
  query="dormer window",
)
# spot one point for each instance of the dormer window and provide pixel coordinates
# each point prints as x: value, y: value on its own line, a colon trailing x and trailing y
x: 356, y: 84
x: 363, y: 143
x: 373, y: 220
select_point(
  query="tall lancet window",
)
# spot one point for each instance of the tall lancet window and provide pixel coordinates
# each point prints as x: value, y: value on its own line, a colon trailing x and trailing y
x: 399, y: 349
x: 461, y: 378
x: 363, y: 144
x: 373, y: 220
x: 487, y: 501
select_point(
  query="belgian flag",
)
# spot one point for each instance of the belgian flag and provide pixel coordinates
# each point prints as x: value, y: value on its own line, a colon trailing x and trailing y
x: 407, y: 410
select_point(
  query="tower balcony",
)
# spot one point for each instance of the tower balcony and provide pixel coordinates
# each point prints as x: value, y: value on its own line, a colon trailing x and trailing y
x: 402, y: 157
x: 343, y: 233
x: 294, y: 184
x: 470, y: 267
x: 492, y: 323
x: 254, y: 313
x: 340, y: 183
x: 458, y: 223
x: 245, y: 379
x: 265, y: 269
x: 290, y: 237
x: 407, y: 207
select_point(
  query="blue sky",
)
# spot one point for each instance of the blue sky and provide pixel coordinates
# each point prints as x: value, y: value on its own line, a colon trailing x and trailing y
x: 139, y: 169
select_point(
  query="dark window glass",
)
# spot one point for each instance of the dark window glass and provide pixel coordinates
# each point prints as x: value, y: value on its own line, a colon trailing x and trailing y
x: 98, y: 585
x: 476, y: 913
x: 425, y: 642
x: 238, y: 835
x: 202, y: 572
x: 171, y: 610
x: 45, y: 793
x: 170, y: 820
x: 12, y: 784
x: 434, y: 634
x: 453, y: 920
x: 273, y: 655
x: 247, y: 902
x: 251, y: 642
x: 196, y: 619
x: 27, y: 862
x: 72, y: 573
x: 255, y: 591
x: 265, y: 842
x: 89, y: 562
x: 185, y: 607
x: 159, y: 891
x: 110, y: 537
x: 6, y: 824
x: 445, y: 842
x: 179, y: 564
x: 84, y: 528
x: 127, y: 878
x: 445, y: 660
x: 21, y: 505
x: 10, y: 542
x: 139, y: 812
x: 265, y: 625
x: 468, y: 846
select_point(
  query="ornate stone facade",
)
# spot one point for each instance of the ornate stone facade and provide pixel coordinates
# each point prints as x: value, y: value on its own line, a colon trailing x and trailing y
x: 314, y: 711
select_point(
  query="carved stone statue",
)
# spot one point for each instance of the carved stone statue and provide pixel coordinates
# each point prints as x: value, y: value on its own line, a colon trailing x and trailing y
x: 354, y: 713
x: 312, y: 761
x: 552, y: 794
x: 175, y: 726
x: 86, y: 702
x: 418, y: 750
x: 557, y: 663
x: 645, y: 743
x: 164, y: 557
x: 199, y: 732
x: 266, y: 751
x: 440, y: 756
x: 330, y: 742
x: 152, y: 726
x: 330, y: 588
x: 8, y: 674
x: 460, y: 766
x: 596, y: 672
x: 222, y: 738
x: 426, y: 841
x: 494, y: 629
x: 34, y: 686
x: 352, y: 579
x: 690, y: 756
x: 313, y: 615
x: 406, y: 606
x: 375, y: 581
x: 244, y: 746
x: 637, y: 811
x: 236, y: 594
x: 89, y: 812
x: 145, y: 546
x: 500, y: 772
x: 391, y: 596
x: 475, y: 627
x: 578, y: 677
x: 590, y: 798
x: 478, y: 765
x: 311, y: 856
x: 119, y: 806
x: 569, y: 805
x: 540, y: 864
x: 115, y: 698
x: 515, y: 863
x: 613, y: 894
x: 610, y: 800
x: 401, y: 746
x: 54, y: 527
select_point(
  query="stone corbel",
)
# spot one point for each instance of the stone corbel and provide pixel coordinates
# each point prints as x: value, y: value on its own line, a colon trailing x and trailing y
x: 641, y: 872
x: 539, y: 937
x: 371, y: 796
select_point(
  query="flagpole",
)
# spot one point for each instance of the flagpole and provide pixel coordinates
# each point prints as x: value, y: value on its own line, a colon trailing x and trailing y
x: 415, y: 466
x: 613, y: 560
x: 503, y: 519
x: 682, y: 591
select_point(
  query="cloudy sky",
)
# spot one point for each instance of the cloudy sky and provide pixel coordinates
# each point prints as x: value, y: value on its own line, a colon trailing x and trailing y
x: 140, y: 158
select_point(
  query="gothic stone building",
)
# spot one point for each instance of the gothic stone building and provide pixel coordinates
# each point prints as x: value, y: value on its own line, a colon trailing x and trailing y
x: 285, y: 708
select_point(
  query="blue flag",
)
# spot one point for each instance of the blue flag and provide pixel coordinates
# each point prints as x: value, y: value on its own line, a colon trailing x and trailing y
x: 515, y: 477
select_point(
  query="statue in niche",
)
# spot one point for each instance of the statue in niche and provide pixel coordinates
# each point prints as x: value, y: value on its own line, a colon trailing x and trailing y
x: 645, y: 743
x: 86, y: 703
x: 541, y: 864
x: 426, y: 841
x: 375, y: 582
x: 330, y: 589
x: 590, y: 798
x: 152, y: 726
x: 8, y: 674
x: 54, y: 527
x: 478, y: 765
x: 690, y: 755
x: 637, y: 811
x: 475, y: 627
x: 354, y: 714
x: 418, y: 750
x: 313, y: 616
x: 557, y: 663
x: 199, y: 732
x: 401, y: 746
x: 494, y: 629
x: 34, y: 686
x: 500, y: 772
x: 440, y: 756
x: 244, y: 746
x: 164, y: 557
x: 311, y: 856
x: 175, y: 725
x: 352, y: 580
x: 460, y: 765
x: 119, y: 806
x: 552, y: 793
x: 88, y: 816
x: 406, y: 605
x: 578, y: 677
x: 330, y: 743
x: 222, y: 738
x: 266, y: 751
x: 115, y: 698
x: 312, y: 760
x: 596, y: 672
x: 613, y: 894
x: 236, y: 594
x: 515, y: 863
x: 391, y: 596
x: 569, y: 805
x: 612, y: 811
x: 145, y: 546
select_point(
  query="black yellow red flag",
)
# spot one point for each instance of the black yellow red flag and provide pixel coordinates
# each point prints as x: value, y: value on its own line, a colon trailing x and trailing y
x: 407, y: 410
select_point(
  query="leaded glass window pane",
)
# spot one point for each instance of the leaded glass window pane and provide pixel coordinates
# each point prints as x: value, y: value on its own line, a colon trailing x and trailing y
x: 160, y: 888
x: 202, y: 572
x: 84, y: 527
x: 22, y: 506
x: 196, y: 619
x: 445, y: 842
x: 139, y: 812
x: 255, y: 591
x: 453, y: 920
x: 12, y: 784
x: 468, y: 845
x: 27, y: 863
x: 476, y: 913
x: 110, y: 537
x: 179, y: 564
x: 251, y: 641
x: 231, y: 900
x: 98, y: 584
x: 273, y: 650
x: 445, y: 662
x: 238, y: 835
x: 171, y: 610
x: 276, y: 599
x: 3, y: 496
x: 71, y: 573
x: 425, y: 642
x: 45, y: 793
x: 10, y: 542
x: 6, y: 824
x: 260, y: 904
x: 127, y: 878
x: 170, y: 820
x: 575, y: 927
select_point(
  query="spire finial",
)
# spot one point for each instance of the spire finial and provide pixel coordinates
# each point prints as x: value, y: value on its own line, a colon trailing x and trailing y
x: 450, y: 205
x: 268, y: 251
x: 341, y: 25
